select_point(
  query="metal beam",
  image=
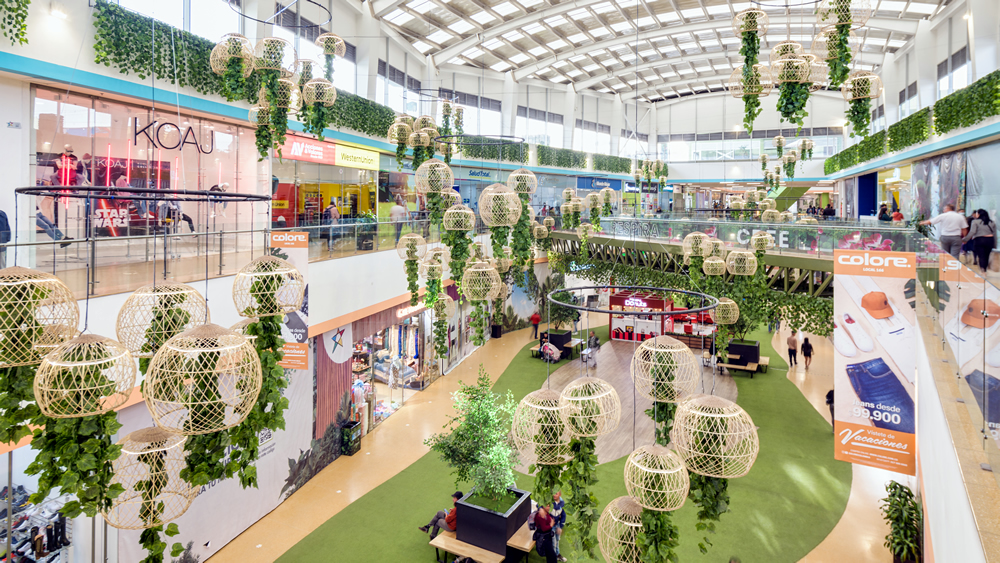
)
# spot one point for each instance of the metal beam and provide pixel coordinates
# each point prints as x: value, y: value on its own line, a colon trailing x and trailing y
x: 383, y: 7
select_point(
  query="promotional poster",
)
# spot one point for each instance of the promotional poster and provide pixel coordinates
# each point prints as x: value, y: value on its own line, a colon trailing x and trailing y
x: 874, y: 341
x: 294, y: 248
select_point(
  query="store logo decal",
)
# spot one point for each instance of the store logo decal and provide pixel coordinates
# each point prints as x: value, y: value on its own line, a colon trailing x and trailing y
x: 867, y: 260
x: 308, y: 150
x: 288, y: 237
x: 633, y: 302
x: 154, y: 134
x: 479, y: 174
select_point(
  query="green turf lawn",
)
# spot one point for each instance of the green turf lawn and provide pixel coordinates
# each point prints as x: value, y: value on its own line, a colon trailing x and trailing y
x: 791, y: 499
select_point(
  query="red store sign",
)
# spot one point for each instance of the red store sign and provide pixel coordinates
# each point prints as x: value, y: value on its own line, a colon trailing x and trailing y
x: 309, y: 150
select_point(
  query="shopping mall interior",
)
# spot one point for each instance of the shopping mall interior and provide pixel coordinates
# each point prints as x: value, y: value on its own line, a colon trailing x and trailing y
x: 622, y: 281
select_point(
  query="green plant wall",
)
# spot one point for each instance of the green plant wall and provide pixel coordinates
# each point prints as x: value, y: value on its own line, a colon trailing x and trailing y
x: 968, y: 106
x: 871, y: 147
x: 486, y: 148
x: 613, y: 164
x: 909, y: 131
x: 561, y: 158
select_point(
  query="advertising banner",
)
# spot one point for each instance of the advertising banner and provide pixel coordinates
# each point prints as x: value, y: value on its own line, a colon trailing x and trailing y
x: 874, y: 340
x: 294, y: 247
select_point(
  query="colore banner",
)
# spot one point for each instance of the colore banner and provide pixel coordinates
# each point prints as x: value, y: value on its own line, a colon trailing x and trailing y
x: 294, y: 247
x: 874, y: 369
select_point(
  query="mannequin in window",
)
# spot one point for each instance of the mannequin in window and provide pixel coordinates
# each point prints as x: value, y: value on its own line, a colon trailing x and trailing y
x: 223, y: 187
x: 69, y: 168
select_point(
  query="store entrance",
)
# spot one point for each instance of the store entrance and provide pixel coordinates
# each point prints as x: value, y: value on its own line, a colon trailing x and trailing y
x: 303, y: 190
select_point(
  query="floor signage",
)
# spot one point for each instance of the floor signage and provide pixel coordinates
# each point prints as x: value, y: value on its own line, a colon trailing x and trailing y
x: 874, y: 369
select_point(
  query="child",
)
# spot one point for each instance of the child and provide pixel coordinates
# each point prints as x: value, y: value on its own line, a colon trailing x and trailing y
x: 559, y: 515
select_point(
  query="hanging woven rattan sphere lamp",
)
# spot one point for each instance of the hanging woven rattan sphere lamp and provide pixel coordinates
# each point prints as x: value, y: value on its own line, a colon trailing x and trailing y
x: 241, y: 328
x: 593, y: 200
x: 149, y: 469
x: 540, y: 232
x: 727, y: 312
x: 319, y: 91
x: 86, y: 376
x: 591, y: 407
x: 713, y: 266
x: 696, y: 244
x: 762, y: 240
x: 435, y: 176
x: 268, y: 286
x: 618, y: 529
x: 716, y: 248
x: 232, y: 46
x: 522, y: 181
x: 411, y: 246
x: 585, y: 230
x: 741, y: 263
x: 203, y: 380
x: 155, y: 313
x: 715, y: 437
x: 549, y: 222
x: 568, y: 195
x: 770, y: 216
x: 275, y: 53
x: 38, y: 313
x: 854, y: 13
x: 665, y: 370
x: 656, y: 478
x: 540, y: 435
x: 332, y: 44
x: 861, y: 84
x: 458, y: 217
x: 499, y: 207
x: 418, y: 139
x: 399, y: 132
x: 480, y: 282
x: 445, y: 307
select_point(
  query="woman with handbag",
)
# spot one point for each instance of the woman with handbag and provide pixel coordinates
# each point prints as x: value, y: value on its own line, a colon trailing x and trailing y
x: 982, y: 237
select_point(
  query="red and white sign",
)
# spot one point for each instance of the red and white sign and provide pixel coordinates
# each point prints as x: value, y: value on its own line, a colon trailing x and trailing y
x: 309, y: 150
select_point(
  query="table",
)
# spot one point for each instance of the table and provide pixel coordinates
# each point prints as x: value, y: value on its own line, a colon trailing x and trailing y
x: 572, y: 344
x: 446, y: 542
x: 521, y: 541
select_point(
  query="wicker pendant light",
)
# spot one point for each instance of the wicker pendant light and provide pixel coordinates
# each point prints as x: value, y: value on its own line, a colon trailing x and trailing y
x: 432, y: 134
x: 431, y: 269
x: 450, y: 198
x: 459, y: 218
x: 540, y: 435
x: 549, y: 222
x: 807, y: 221
x: 608, y: 196
x: 268, y: 286
x: 407, y: 119
x: 768, y: 203
x: 319, y: 91
x: 793, y: 69
x: 499, y: 207
x: 480, y: 282
x: 86, y: 376
x: 232, y: 46
x: 715, y: 437
x: 727, y: 312
x: 741, y: 263
x: 540, y: 232
x: 149, y: 470
x: 332, y: 44
x: 593, y: 200
x: 664, y: 369
x: 241, y: 328
x: 751, y: 19
x: 577, y: 205
x: 38, y: 313
x: 203, y: 380
x: 825, y: 48
x: 585, y: 230
x: 566, y: 209
x: 424, y: 122
x: 434, y: 176
x: 418, y: 139
x: 568, y: 195
x: 716, y: 248
x: 155, y: 313
x: 522, y: 181
x: 696, y: 244
x: 737, y: 204
x: 770, y: 216
x: 259, y: 116
x: 759, y: 82
x: 444, y: 307
x: 656, y: 478
x: 750, y: 196
x: 713, y: 266
x: 854, y: 13
x: 590, y: 407
x: 761, y: 195
x: 275, y: 53
x: 411, y: 246
x: 399, y: 132
x: 286, y: 95
x: 787, y: 217
x: 861, y: 84
x: 618, y: 529
x: 762, y: 240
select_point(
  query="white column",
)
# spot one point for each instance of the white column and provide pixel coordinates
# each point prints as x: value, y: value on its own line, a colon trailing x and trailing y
x: 369, y: 47
x: 893, y: 80
x: 926, y: 66
x: 508, y: 104
x: 984, y: 38
x: 568, y: 111
x: 617, y: 123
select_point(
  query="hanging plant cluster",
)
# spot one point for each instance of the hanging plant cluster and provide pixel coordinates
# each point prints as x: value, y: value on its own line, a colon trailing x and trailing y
x: 860, y: 88
x: 411, y: 248
x: 524, y: 183
x: 653, y: 169
x: 837, y: 43
x: 753, y: 80
x: 434, y: 180
x: 791, y: 69
x: 788, y: 163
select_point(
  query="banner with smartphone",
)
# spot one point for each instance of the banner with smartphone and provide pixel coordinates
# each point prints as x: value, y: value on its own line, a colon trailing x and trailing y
x: 294, y: 248
x: 969, y: 318
x: 874, y: 340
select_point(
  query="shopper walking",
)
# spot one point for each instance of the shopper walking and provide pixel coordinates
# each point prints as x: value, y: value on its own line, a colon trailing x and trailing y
x: 544, y: 535
x: 535, y: 319
x: 807, y: 351
x: 793, y: 349
x: 951, y: 230
x: 559, y: 514
x: 982, y: 236
x: 444, y: 520
x: 331, y: 217
x: 398, y: 215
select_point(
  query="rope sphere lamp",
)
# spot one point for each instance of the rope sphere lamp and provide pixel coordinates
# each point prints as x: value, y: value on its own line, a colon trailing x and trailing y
x: 175, y: 308
x: 424, y: 122
x: 458, y: 217
x: 807, y: 221
x: 499, y: 207
x: 275, y: 53
x: 736, y: 204
x: 768, y: 203
x: 656, y: 478
x: 149, y: 469
x: 480, y: 282
x: 445, y: 307
x: 713, y: 266
x: 786, y: 217
x: 861, y: 84
x: 439, y: 254
x: 762, y: 240
x: 203, y: 380
x: 761, y: 195
x: 577, y: 205
x: 855, y: 13
x: 608, y: 196
x: 241, y: 328
x: 770, y: 216
x: 751, y: 19
x: 39, y: 312
x: 618, y: 529
x: 715, y: 437
x: 664, y: 370
x: 585, y: 230
x: 566, y: 209
x: 232, y: 46
x: 540, y: 435
x: 716, y: 248
x: 431, y: 268
x: 268, y: 286
x: 434, y: 176
x: 549, y: 222
x: 594, y: 200
x: 590, y: 407
x: 399, y: 133
x: 727, y: 312
x: 319, y: 90
x: 758, y: 83
x: 696, y: 244
x: 86, y: 376
x: 568, y: 195
x: 522, y: 181
x: 411, y: 246
x: 450, y: 198
x: 741, y: 263
x: 540, y: 232
x: 407, y: 119
x: 418, y: 139
x: 750, y: 196
x: 332, y: 44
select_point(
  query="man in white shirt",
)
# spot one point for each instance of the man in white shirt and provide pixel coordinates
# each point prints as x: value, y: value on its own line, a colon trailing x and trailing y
x: 398, y: 215
x: 951, y: 228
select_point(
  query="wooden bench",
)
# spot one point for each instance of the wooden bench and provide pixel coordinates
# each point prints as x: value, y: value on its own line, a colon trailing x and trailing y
x: 750, y: 368
x: 536, y: 351
x: 446, y: 542
x: 521, y: 541
x: 763, y: 362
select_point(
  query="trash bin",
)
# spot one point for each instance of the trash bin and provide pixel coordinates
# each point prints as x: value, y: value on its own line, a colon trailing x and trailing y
x: 351, y: 438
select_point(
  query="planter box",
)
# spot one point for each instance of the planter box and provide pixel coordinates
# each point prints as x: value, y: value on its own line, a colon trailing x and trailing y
x: 496, y: 331
x: 490, y: 530
x: 747, y: 350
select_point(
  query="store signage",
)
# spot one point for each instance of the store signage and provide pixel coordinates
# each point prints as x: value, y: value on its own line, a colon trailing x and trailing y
x: 780, y: 237
x: 308, y: 150
x: 160, y: 134
x: 409, y: 311
x: 480, y: 174
x: 598, y: 183
x: 294, y: 247
x: 279, y: 204
x: 633, y: 302
x: 631, y: 188
x: 289, y: 240
x: 356, y: 158
x: 107, y: 218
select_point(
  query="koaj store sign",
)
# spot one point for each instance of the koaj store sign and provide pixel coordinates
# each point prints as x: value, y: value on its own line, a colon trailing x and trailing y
x: 170, y: 136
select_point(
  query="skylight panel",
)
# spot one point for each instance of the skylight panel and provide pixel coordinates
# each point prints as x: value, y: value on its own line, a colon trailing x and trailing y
x: 622, y: 26
x: 519, y: 58
x: 722, y: 66
x: 619, y: 86
x: 559, y: 64
x: 685, y: 71
x: 577, y: 38
x: 440, y: 36
x: 739, y: 7
x: 647, y: 53
x: 421, y: 46
x: 456, y: 61
x: 917, y: 8
x: 483, y: 17
x: 532, y: 28
x: 702, y: 68
x: 501, y: 66
x: 574, y: 73
x: 492, y: 44
x: 560, y: 79
x: 646, y: 21
x: 600, y: 31
x: 730, y: 41
x: 512, y: 35
x: 557, y: 44
x: 693, y: 13
x: 603, y: 8
x: 896, y: 43
x: 579, y: 14
x: 710, y: 43
x: 461, y: 26
x: 420, y: 6
x: 577, y: 58
x: 398, y: 17
x: 668, y: 17
x: 555, y: 21
x: 688, y: 46
x: 591, y: 67
x: 473, y: 53
x: 891, y: 5
x: 538, y: 51
x: 717, y: 10
x: 669, y: 52
x: 530, y: 3
x: 505, y: 9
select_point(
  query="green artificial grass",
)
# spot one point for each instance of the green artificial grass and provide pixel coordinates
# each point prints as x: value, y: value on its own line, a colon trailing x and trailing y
x: 502, y: 505
x: 787, y: 504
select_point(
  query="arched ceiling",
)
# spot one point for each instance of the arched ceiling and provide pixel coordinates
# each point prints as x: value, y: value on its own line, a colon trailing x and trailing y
x: 646, y: 49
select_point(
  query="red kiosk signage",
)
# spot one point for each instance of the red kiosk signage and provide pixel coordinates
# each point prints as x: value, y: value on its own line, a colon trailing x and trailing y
x: 638, y: 328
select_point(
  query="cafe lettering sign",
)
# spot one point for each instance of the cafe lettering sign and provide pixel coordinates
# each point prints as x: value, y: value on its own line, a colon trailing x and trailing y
x: 170, y: 136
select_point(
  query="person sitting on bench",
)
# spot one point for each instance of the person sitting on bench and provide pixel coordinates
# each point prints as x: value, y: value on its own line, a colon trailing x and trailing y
x: 447, y: 520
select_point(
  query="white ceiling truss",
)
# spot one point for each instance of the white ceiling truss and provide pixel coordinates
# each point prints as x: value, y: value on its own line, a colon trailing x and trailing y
x: 646, y: 49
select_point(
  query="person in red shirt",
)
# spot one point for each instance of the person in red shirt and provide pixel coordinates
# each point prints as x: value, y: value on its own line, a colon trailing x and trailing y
x: 544, y: 535
x: 535, y: 319
x: 448, y: 521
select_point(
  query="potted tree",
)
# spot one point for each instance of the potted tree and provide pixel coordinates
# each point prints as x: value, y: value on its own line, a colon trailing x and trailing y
x: 905, y: 517
x: 366, y: 229
x: 479, y: 449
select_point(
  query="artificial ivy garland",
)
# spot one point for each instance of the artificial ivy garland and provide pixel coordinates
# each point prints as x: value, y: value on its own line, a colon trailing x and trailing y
x: 580, y: 476
x: 859, y: 113
x: 480, y: 316
x: 458, y: 243
x: 838, y: 44
x: 750, y: 50
x: 13, y: 23
x: 521, y: 239
x: 234, y: 85
x: 792, y: 102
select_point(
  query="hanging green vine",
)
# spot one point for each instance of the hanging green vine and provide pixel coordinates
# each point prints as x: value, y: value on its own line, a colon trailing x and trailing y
x: 521, y: 239
x: 150, y: 512
x: 445, y: 129
x: 150, y: 540
x: 17, y: 402
x: 315, y: 118
x: 859, y: 113
x: 498, y: 239
x: 480, y: 318
x: 234, y: 84
x: 458, y: 242
x: 711, y: 494
x: 657, y: 537
x: 789, y: 168
x: 435, y: 208
x: 412, y: 281
x: 14, y: 20
x: 498, y: 313
x: 792, y: 101
x: 400, y: 155
x: 750, y: 50
x: 441, y: 337
x: 579, y: 477
x: 838, y: 43
x: 278, y: 115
